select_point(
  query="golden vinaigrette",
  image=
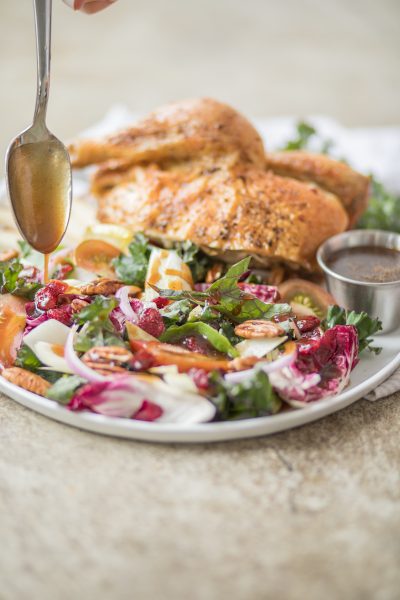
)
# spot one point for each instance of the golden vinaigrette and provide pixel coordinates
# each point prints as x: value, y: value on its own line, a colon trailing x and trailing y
x: 39, y: 191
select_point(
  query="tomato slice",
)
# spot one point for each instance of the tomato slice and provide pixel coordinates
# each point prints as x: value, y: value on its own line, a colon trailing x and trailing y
x: 96, y: 256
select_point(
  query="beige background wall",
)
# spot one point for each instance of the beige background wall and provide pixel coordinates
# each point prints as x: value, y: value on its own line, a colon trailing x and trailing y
x: 267, y: 57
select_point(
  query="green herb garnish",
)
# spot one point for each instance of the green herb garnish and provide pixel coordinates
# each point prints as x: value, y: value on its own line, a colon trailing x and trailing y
x: 365, y: 326
x: 248, y: 399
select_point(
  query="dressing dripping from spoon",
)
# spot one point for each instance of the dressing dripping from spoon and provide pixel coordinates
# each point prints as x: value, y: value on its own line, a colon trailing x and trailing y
x: 37, y: 164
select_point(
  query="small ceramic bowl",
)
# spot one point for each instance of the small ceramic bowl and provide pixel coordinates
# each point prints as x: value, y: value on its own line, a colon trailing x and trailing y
x: 378, y: 299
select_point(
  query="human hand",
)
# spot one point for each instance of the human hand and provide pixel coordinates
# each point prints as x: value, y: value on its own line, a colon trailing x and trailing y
x: 89, y: 6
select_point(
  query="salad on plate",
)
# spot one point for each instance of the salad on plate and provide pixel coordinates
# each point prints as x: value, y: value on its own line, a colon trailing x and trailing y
x: 125, y: 328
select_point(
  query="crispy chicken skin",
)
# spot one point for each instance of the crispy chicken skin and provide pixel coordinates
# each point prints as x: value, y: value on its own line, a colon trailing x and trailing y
x: 197, y: 170
x: 230, y: 213
x: 178, y: 131
x: 331, y: 175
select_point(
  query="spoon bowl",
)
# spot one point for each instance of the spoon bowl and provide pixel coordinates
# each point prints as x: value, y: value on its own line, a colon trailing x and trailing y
x: 38, y: 167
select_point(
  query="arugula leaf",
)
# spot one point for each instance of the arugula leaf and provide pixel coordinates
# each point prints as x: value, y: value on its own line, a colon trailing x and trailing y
x: 197, y: 260
x: 97, y: 328
x: 216, y: 339
x: 245, y: 400
x: 383, y: 210
x: 63, y: 389
x: 305, y: 133
x: 176, y: 313
x: 27, y: 359
x: 365, y: 326
x: 132, y: 268
x: 226, y: 297
x: 12, y: 280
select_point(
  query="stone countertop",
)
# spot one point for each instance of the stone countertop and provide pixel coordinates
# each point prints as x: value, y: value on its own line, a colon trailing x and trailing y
x: 309, y: 513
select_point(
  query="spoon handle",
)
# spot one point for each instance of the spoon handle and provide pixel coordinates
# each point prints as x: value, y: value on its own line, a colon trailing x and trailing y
x: 42, y: 10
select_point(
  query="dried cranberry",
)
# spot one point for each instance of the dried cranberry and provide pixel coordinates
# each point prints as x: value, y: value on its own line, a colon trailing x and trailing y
x: 62, y: 314
x: 151, y: 321
x: 141, y: 361
x: 148, y: 412
x: 200, y: 378
x: 195, y: 343
x: 266, y: 293
x: 161, y: 302
x: 307, y: 323
x: 46, y: 297
x: 62, y: 271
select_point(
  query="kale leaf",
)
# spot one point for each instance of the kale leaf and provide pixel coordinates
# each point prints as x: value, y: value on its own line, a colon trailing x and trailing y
x: 248, y: 399
x: 365, y: 325
x: 97, y: 329
x: 12, y: 280
x: 132, y: 268
x: 225, y: 296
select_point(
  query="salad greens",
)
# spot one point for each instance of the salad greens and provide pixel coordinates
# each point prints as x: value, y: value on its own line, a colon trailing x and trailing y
x: 305, y: 134
x: 216, y: 339
x: 12, y: 280
x: 176, y: 313
x: 197, y: 261
x: 64, y: 388
x: 132, y: 268
x: 383, y: 210
x: 365, y: 326
x: 97, y: 330
x: 226, y: 297
x: 27, y: 359
x: 251, y: 398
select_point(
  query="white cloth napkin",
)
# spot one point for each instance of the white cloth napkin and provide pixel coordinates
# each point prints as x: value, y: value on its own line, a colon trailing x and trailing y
x: 370, y: 150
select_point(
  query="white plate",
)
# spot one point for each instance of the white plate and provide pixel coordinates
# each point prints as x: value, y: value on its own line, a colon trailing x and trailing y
x: 369, y: 373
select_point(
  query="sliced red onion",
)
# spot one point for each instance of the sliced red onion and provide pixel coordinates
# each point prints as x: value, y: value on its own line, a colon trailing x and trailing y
x: 124, y: 303
x: 76, y: 364
x: 285, y: 360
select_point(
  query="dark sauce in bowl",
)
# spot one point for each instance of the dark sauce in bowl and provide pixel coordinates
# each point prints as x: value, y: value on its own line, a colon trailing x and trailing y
x: 371, y: 264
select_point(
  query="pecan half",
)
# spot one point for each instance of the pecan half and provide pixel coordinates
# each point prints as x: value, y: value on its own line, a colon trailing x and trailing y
x: 8, y: 255
x: 258, y: 328
x: 107, y: 359
x: 103, y: 286
x: 77, y: 305
x: 27, y: 380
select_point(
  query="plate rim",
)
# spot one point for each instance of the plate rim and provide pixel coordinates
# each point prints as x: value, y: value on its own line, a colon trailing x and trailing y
x: 200, y: 432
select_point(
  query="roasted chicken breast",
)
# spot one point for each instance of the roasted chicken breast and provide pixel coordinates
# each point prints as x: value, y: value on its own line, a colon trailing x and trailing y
x: 197, y: 170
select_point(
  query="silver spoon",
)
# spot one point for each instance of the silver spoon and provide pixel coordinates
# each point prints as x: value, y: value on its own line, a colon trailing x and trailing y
x: 37, y: 164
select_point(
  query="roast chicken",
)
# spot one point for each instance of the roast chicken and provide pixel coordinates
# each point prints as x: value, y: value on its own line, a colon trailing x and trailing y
x: 197, y: 170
